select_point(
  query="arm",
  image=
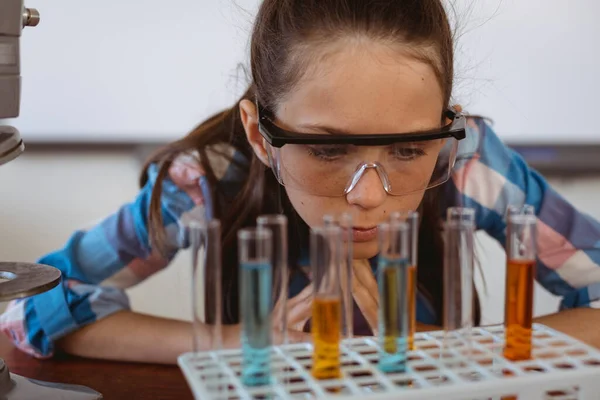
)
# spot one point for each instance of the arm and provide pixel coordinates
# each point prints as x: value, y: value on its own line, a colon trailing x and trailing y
x: 579, y: 323
x: 128, y: 336
x: 568, y: 262
x: 97, y: 266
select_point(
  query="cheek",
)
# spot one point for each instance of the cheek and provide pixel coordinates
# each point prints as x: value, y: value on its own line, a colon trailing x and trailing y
x: 403, y: 203
x: 312, y: 208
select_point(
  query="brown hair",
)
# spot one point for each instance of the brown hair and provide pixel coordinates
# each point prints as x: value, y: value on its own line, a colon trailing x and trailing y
x: 285, y: 38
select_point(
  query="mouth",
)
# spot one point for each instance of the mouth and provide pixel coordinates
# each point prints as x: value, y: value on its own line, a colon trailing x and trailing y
x: 364, y: 234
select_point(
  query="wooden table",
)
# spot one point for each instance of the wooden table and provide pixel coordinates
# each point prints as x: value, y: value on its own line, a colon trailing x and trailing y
x: 115, y: 380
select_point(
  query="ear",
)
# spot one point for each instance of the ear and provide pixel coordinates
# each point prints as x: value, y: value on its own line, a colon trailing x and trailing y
x: 249, y: 115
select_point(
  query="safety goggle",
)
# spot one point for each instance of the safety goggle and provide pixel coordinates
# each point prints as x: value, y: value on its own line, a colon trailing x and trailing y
x: 332, y: 165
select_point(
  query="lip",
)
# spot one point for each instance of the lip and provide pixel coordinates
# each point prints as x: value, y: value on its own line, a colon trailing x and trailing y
x: 364, y: 234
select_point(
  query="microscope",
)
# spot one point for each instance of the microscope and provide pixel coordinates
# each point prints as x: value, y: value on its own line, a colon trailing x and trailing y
x: 17, y: 279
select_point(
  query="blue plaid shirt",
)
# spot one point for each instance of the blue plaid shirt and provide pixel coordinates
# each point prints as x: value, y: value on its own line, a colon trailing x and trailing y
x: 99, y: 263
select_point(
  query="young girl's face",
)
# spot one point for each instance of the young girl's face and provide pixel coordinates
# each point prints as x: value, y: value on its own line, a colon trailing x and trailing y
x: 359, y: 88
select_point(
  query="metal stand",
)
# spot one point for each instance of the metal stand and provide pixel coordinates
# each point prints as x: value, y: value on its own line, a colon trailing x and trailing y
x: 17, y: 281
x: 22, y: 280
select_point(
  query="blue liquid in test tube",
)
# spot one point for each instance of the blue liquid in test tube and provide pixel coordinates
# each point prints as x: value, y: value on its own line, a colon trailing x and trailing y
x: 255, y: 305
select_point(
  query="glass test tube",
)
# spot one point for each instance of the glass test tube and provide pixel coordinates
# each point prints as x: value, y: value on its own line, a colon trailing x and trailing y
x: 526, y: 209
x: 255, y: 256
x: 345, y: 222
x: 204, y: 241
x: 277, y: 223
x: 393, y: 281
x: 458, y: 277
x: 325, y: 252
x: 520, y: 272
x: 412, y: 219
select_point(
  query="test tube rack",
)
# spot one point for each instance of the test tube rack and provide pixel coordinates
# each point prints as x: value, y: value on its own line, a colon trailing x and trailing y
x: 561, y: 368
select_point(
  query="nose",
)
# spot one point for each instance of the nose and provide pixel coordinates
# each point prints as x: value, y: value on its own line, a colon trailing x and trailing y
x: 368, y: 193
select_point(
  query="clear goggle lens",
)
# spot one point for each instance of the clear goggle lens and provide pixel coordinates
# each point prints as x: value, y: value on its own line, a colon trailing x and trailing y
x: 335, y: 169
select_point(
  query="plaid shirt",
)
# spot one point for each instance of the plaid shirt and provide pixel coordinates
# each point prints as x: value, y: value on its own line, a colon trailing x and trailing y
x: 99, y: 263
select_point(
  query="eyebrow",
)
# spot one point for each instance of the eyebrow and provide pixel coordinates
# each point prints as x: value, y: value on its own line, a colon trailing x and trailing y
x: 325, y: 129
x: 341, y: 132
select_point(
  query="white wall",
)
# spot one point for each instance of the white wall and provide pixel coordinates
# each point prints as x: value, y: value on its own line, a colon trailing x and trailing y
x: 44, y: 197
x: 133, y: 70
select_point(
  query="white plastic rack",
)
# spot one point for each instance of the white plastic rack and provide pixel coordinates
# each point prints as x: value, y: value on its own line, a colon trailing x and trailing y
x: 562, y: 368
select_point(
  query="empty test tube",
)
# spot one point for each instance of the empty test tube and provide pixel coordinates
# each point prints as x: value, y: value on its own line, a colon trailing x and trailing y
x: 255, y: 255
x: 345, y: 222
x: 520, y: 272
x: 393, y: 281
x: 277, y: 223
x: 325, y: 251
x: 526, y: 209
x: 458, y: 277
x: 204, y: 240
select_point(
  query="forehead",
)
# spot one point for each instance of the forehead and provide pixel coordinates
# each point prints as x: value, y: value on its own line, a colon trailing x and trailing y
x: 365, y: 87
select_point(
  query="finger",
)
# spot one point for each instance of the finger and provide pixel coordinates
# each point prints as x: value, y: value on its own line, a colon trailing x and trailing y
x: 301, y: 297
x: 364, y: 277
x: 365, y: 291
x: 279, y: 309
x: 299, y: 337
x: 367, y: 307
x: 283, y: 306
x: 299, y: 314
x: 292, y: 337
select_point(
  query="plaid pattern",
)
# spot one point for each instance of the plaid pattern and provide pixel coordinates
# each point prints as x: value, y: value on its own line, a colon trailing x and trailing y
x: 99, y: 263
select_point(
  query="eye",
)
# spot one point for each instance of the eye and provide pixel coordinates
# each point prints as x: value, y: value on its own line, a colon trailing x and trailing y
x: 407, y: 152
x: 327, y: 153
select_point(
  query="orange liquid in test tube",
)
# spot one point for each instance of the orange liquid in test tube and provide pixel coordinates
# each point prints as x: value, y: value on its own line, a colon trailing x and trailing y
x: 412, y: 306
x: 413, y: 221
x: 327, y: 313
x: 519, y: 309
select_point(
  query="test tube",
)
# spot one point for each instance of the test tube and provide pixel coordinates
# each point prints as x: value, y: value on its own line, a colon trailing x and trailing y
x: 204, y: 241
x: 277, y: 223
x: 458, y: 277
x: 393, y: 281
x: 255, y: 255
x: 325, y: 252
x: 412, y: 219
x: 520, y: 272
x: 526, y: 209
x: 345, y: 222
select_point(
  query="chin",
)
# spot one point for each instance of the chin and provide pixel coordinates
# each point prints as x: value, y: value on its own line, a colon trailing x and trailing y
x: 365, y: 250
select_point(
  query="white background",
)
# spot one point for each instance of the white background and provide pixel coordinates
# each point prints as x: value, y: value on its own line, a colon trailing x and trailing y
x: 125, y: 70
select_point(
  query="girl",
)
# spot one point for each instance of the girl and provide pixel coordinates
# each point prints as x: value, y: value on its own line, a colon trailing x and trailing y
x: 327, y: 76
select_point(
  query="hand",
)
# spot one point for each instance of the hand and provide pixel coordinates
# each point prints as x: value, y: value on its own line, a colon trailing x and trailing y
x: 366, y: 295
x: 366, y: 292
x: 299, y: 310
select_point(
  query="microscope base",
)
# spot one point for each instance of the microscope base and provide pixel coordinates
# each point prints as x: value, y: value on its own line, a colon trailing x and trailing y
x: 16, y: 387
